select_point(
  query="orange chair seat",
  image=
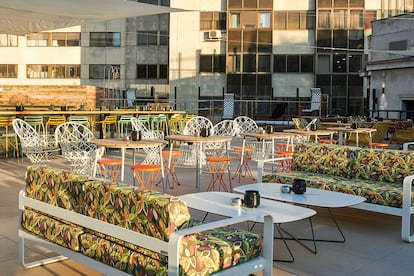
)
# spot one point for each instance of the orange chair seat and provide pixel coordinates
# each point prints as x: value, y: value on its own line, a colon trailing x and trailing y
x: 378, y: 145
x: 146, y: 174
x: 217, y: 167
x: 110, y: 167
x: 328, y: 141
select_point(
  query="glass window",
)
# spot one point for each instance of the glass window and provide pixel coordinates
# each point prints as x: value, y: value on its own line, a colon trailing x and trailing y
x: 219, y: 63
x: 233, y: 65
x: 340, y: 19
x: 73, y: 72
x: 280, y: 19
x: 141, y: 71
x: 339, y: 63
x: 37, y: 40
x: 324, y: 19
x: 279, y: 64
x: 264, y: 20
x: 292, y: 63
x: 324, y: 3
x: 7, y: 40
x: 265, y: 4
x: 235, y: 20
x: 324, y: 40
x: 341, y: 3
x: 206, y: 63
x: 104, y: 39
x: 306, y: 64
x: 356, y: 3
x: 249, y: 63
x: 59, y: 39
x: 8, y: 70
x: 37, y: 71
x: 265, y: 41
x: 234, y: 39
x: 293, y: 21
x: 355, y: 63
x: 163, y: 71
x: 263, y: 63
x: 73, y: 39
x: 356, y: 39
x: 58, y: 71
x: 324, y: 64
x: 340, y: 39
x: 249, y: 41
x: 356, y: 19
x: 163, y: 37
x: 152, y: 71
x: 235, y: 4
x: 250, y: 4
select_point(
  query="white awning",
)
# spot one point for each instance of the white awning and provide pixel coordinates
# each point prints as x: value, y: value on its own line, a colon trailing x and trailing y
x: 26, y: 16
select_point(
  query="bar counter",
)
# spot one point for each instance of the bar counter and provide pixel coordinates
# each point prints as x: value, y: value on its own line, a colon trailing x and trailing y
x: 87, y: 112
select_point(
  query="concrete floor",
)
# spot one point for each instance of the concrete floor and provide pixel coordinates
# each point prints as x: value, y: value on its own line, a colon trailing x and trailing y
x: 373, y: 244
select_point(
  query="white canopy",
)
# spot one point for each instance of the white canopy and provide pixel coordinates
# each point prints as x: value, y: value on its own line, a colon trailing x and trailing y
x: 26, y: 16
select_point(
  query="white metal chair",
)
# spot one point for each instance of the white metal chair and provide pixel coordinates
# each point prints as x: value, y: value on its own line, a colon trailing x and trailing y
x: 34, y: 146
x: 222, y: 128
x: 152, y: 153
x: 74, y: 141
x: 189, y: 153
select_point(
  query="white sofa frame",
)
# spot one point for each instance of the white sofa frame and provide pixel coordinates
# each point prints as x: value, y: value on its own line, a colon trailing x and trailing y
x: 405, y: 212
x: 262, y: 263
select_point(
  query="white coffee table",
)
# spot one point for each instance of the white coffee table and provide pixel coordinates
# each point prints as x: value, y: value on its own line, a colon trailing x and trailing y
x: 219, y: 203
x: 312, y: 197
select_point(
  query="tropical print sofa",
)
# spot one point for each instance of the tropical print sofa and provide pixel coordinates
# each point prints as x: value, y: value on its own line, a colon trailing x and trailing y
x: 374, y: 174
x: 148, y: 212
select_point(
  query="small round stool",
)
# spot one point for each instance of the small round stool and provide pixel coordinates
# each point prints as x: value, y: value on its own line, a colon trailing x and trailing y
x: 328, y: 141
x: 245, y: 164
x: 378, y: 145
x: 217, y: 167
x: 284, y: 146
x: 146, y: 174
x: 110, y: 168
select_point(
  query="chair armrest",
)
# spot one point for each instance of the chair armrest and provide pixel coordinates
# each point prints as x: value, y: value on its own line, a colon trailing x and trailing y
x: 407, y: 145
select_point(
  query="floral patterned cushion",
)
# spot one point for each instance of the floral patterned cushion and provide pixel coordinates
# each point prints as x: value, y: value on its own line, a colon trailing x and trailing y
x: 55, y: 186
x: 323, y: 159
x: 385, y: 165
x: 144, y: 211
x: 52, y: 229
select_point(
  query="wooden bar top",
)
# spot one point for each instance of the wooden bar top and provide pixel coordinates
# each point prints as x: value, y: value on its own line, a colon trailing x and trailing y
x: 87, y: 112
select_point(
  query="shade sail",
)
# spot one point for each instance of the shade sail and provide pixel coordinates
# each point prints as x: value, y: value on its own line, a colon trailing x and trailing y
x: 26, y: 16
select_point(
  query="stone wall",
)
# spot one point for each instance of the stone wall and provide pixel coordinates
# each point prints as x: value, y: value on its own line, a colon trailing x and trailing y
x: 38, y: 96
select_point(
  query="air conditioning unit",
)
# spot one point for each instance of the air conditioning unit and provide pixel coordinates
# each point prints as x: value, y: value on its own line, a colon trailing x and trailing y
x: 214, y: 34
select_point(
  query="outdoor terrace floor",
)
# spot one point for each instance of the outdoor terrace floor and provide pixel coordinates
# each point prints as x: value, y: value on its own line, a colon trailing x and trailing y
x: 373, y: 245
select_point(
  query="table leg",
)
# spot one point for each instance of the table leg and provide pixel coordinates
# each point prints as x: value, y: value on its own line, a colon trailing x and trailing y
x: 198, y: 180
x: 163, y: 178
x: 123, y: 164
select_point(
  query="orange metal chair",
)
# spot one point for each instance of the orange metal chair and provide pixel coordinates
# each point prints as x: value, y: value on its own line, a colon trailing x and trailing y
x: 217, y: 167
x: 328, y: 141
x: 110, y: 168
x: 378, y: 145
x: 245, y: 164
x: 284, y: 150
x: 146, y: 174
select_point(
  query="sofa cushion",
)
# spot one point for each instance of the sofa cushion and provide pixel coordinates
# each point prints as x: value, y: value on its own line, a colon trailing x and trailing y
x: 383, y: 165
x: 52, y: 229
x: 377, y: 192
x: 144, y: 211
x: 324, y: 159
x: 55, y: 186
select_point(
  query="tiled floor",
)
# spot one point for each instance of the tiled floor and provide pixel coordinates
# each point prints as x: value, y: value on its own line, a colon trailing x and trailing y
x: 373, y: 245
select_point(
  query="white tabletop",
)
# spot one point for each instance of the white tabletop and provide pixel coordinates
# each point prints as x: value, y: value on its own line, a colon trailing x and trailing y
x: 219, y: 203
x: 312, y: 196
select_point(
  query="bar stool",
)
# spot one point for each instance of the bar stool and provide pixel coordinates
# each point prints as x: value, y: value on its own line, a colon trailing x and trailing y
x: 175, y: 154
x: 159, y: 122
x: 217, y: 167
x: 36, y: 122
x: 124, y: 125
x: 380, y: 146
x: 284, y: 150
x: 328, y: 141
x: 146, y: 174
x: 245, y: 165
x: 110, y: 168
x: 145, y: 120
x: 6, y: 122
x: 108, y: 121
x: 54, y: 121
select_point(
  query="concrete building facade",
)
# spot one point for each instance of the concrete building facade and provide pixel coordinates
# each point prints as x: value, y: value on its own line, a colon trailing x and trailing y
x: 259, y: 50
